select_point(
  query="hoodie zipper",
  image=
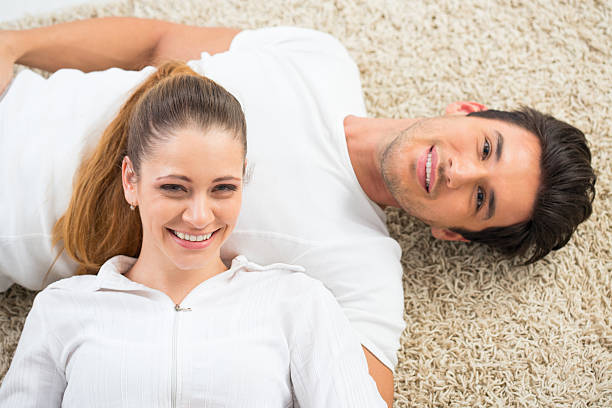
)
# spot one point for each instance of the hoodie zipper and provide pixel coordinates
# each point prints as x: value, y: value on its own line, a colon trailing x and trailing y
x: 173, y: 381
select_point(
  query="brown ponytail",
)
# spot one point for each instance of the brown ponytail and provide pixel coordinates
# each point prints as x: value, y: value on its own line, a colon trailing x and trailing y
x: 98, y: 223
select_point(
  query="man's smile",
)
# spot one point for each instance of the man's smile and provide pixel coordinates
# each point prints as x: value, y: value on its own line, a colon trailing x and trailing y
x: 427, y: 169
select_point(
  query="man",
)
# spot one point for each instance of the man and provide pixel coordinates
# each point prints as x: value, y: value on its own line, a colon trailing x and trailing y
x: 321, y: 170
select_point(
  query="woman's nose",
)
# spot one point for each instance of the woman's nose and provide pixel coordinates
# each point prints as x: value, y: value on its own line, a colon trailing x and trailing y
x: 199, y: 213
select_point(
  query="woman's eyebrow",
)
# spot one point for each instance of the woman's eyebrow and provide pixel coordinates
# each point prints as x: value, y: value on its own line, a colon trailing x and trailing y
x: 226, y: 178
x: 185, y: 178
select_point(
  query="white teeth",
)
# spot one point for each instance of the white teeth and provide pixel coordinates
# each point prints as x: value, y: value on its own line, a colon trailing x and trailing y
x: 428, y: 171
x: 192, y: 238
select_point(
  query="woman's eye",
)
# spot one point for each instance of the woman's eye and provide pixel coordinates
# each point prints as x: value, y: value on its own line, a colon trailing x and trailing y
x: 226, y: 187
x: 486, y: 149
x: 480, y: 196
x: 173, y: 188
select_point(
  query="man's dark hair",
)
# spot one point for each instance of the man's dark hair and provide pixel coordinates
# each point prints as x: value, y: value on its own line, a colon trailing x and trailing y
x: 565, y: 195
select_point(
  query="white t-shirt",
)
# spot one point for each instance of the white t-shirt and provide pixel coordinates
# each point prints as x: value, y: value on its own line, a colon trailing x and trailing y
x: 240, y: 339
x: 303, y: 204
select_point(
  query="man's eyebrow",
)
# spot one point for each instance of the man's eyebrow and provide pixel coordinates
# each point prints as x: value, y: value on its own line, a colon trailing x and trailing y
x: 500, y: 146
x: 491, y: 205
x: 498, y: 153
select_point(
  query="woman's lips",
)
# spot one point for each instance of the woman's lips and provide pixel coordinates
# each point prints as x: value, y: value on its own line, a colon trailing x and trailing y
x: 192, y: 244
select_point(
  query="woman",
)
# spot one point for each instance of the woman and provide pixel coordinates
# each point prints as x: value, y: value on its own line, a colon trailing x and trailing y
x: 170, y: 324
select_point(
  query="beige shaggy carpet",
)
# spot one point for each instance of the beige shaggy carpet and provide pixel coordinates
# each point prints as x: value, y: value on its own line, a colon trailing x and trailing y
x: 480, y: 331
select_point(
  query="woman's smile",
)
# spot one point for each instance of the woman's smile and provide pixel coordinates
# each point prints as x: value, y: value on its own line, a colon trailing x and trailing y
x: 192, y: 241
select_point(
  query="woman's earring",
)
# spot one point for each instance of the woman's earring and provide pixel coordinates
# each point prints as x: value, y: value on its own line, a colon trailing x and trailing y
x: 132, y: 207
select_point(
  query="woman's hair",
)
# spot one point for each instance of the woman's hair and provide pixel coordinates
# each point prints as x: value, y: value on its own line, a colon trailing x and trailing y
x: 98, y: 223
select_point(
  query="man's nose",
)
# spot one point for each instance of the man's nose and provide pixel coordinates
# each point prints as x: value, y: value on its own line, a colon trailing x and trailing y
x: 461, y: 172
x: 199, y: 212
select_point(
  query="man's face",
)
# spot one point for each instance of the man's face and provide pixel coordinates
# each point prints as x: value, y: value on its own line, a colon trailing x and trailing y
x: 463, y: 172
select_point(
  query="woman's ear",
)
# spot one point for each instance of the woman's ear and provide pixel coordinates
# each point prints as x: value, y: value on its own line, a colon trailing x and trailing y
x: 447, y: 235
x: 128, y: 179
x: 464, y: 107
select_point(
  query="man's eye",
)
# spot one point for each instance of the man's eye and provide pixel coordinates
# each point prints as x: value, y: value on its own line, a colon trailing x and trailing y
x: 480, y: 196
x: 173, y: 188
x: 486, y: 149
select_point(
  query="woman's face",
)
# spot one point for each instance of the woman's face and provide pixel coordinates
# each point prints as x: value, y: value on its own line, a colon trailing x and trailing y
x: 188, y: 193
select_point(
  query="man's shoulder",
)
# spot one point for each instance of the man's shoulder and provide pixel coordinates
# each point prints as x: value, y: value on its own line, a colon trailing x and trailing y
x: 323, y: 256
x: 290, y: 38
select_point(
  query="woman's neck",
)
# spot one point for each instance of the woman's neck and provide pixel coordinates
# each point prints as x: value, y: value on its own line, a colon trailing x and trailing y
x: 170, y: 279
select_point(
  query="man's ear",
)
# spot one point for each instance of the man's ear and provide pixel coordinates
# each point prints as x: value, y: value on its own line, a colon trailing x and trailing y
x: 447, y: 235
x: 463, y: 108
x: 128, y: 179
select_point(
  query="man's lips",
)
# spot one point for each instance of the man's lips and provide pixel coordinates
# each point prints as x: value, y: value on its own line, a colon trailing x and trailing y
x: 434, y: 168
x: 422, y: 169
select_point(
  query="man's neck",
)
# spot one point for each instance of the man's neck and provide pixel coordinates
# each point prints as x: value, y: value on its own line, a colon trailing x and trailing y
x: 366, y: 139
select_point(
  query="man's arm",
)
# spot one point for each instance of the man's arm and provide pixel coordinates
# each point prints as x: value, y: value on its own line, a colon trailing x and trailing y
x: 381, y: 375
x: 128, y: 43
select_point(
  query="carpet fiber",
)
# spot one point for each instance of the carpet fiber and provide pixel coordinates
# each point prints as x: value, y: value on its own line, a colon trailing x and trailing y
x: 480, y: 331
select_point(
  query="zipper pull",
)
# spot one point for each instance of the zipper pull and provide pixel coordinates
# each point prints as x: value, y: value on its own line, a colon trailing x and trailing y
x: 178, y: 308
